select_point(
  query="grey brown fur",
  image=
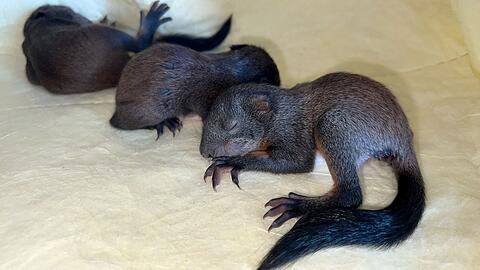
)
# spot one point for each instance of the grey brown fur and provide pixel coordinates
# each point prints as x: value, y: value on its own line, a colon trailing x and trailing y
x: 348, y: 118
x: 167, y: 81
x: 67, y: 53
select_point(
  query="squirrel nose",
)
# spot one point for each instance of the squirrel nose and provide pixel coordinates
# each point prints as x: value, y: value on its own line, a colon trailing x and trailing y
x: 211, y: 153
x: 209, y: 156
x: 114, y: 120
x: 206, y: 150
x: 206, y: 154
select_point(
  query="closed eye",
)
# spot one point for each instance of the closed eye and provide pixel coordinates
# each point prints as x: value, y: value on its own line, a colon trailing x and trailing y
x: 39, y: 14
x: 229, y: 126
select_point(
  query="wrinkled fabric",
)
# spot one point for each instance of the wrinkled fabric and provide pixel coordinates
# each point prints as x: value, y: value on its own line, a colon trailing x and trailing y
x: 77, y: 194
x: 467, y: 15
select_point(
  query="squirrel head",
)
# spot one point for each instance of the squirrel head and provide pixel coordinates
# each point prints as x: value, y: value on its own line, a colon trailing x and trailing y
x: 53, y: 12
x: 238, y: 121
x: 253, y: 64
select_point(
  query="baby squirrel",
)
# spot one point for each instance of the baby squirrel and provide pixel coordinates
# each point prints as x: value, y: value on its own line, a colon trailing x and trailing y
x: 349, y: 119
x: 67, y: 53
x: 167, y: 81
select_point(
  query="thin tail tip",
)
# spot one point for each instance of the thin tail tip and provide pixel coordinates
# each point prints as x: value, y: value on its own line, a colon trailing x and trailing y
x: 201, y: 43
x: 228, y: 22
x: 225, y: 28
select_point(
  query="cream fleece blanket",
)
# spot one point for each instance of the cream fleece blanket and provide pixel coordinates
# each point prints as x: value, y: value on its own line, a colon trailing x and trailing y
x: 78, y: 194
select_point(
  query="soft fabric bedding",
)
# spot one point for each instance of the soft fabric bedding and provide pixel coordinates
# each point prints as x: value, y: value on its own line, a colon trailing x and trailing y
x: 77, y: 194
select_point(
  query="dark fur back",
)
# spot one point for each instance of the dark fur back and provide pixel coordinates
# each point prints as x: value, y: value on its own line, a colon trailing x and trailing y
x: 66, y: 53
x: 169, y: 80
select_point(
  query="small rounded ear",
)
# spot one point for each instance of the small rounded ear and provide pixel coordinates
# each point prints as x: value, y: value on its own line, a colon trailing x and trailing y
x: 39, y: 14
x: 261, y: 104
x: 41, y: 11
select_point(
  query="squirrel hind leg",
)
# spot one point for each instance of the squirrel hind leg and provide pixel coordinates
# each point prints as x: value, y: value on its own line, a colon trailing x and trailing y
x: 346, y: 193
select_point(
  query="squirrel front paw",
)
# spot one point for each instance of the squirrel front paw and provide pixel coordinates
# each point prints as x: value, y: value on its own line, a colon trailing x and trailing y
x: 153, y: 19
x: 173, y: 124
x: 222, y: 165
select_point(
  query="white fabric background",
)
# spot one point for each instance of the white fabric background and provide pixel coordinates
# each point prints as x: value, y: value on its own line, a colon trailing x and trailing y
x: 467, y: 14
x: 78, y: 194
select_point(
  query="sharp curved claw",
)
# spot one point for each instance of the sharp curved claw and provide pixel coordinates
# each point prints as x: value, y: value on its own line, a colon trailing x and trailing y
x: 294, y: 195
x: 159, y: 129
x: 275, y: 211
x: 293, y: 206
x: 173, y: 124
x: 215, y: 170
x: 283, y: 218
x: 170, y: 127
x: 215, y: 179
x: 279, y: 201
x: 177, y: 123
x: 234, y: 174
x: 209, y: 172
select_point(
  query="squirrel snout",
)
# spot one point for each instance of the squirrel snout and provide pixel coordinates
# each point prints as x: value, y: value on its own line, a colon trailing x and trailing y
x: 226, y: 149
x: 114, y: 120
x: 206, y: 155
x: 208, y: 152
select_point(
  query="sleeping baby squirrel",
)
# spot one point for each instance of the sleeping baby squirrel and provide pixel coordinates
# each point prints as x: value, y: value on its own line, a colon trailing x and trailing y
x: 349, y: 119
x: 67, y: 53
x: 166, y: 81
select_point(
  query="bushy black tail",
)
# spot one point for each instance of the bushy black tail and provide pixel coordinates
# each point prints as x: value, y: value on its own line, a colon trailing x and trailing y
x: 347, y: 226
x: 200, y: 44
